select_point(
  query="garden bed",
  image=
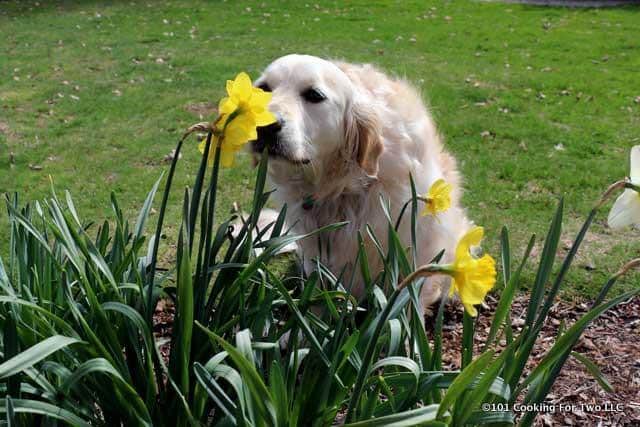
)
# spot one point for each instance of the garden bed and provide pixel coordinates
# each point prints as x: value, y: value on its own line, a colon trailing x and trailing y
x: 612, y: 342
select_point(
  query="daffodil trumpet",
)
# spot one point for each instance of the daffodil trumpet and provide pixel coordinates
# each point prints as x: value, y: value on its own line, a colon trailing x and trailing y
x: 438, y: 198
x: 472, y: 277
x: 626, y: 209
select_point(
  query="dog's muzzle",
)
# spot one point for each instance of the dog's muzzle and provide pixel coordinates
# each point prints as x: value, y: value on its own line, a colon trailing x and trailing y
x: 268, y: 137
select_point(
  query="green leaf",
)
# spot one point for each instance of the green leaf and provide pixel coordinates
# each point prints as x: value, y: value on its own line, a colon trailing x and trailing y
x: 102, y: 366
x: 184, y: 315
x: 425, y: 416
x: 566, y: 264
x: 153, y: 259
x: 11, y: 415
x: 403, y: 362
x: 35, y: 354
x: 566, y: 342
x: 481, y: 418
x: 278, y: 389
x: 505, y: 251
x: 25, y: 406
x: 506, y: 297
x: 302, y: 321
x: 546, y: 264
x: 594, y: 371
x: 463, y: 380
x: 483, y: 387
x: 260, y: 396
x: 146, y: 209
x: 208, y: 382
x: 468, y: 330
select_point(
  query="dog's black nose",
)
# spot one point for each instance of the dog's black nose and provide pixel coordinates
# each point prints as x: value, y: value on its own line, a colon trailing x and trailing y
x: 269, y: 130
x: 267, y: 137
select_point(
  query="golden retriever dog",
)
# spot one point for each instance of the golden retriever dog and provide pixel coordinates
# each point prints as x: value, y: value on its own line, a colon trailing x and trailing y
x: 347, y: 134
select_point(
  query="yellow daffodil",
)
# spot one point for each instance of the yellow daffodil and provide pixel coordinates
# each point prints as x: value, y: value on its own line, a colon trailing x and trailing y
x: 438, y: 199
x: 227, y: 155
x: 243, y: 110
x: 472, y: 277
x: 626, y: 209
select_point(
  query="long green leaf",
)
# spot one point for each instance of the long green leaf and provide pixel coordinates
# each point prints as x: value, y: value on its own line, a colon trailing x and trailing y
x: 25, y: 406
x: 184, y: 315
x: 594, y: 371
x: 463, y: 380
x: 566, y: 342
x: 512, y: 286
x: 546, y: 264
x: 260, y: 396
x: 35, y: 354
x: 425, y: 416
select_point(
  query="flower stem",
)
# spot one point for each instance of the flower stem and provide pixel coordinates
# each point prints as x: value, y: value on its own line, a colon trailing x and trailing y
x: 609, y: 191
x: 423, y: 271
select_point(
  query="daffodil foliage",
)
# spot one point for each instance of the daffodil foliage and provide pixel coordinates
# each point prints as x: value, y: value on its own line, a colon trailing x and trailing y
x: 96, y: 332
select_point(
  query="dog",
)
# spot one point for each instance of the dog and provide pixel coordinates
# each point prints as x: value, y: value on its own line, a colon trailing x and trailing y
x: 345, y: 135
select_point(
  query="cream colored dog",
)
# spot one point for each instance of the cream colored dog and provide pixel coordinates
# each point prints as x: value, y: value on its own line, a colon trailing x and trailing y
x: 347, y: 134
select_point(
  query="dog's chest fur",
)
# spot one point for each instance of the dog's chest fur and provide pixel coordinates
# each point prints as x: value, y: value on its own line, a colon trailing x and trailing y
x: 307, y: 212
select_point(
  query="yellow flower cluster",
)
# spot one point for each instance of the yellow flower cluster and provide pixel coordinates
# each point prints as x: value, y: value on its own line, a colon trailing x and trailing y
x: 472, y: 277
x: 241, y: 112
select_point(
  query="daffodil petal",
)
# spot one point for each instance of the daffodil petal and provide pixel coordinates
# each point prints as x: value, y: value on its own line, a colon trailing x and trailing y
x: 241, y: 130
x: 227, y: 158
x: 472, y: 238
x: 625, y: 210
x: 439, y: 187
x: 202, y: 145
x: 471, y: 310
x: 471, y: 294
x: 227, y: 106
x: 635, y: 165
x: 242, y: 87
x: 265, y: 118
x: 259, y: 99
x: 235, y: 136
x: 230, y: 85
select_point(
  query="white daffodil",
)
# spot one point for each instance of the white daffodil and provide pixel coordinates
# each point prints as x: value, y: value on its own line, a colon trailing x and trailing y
x: 626, y: 209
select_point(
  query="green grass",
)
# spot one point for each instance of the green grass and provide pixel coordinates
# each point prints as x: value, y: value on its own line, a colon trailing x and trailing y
x: 85, y: 97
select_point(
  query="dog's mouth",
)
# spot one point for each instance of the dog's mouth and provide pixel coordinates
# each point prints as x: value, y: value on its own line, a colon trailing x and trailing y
x: 273, y: 147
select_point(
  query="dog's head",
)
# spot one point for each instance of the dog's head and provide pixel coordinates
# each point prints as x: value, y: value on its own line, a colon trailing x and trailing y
x: 323, y: 118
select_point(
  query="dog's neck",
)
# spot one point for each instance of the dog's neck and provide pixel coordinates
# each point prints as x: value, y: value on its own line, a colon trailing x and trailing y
x: 311, y: 188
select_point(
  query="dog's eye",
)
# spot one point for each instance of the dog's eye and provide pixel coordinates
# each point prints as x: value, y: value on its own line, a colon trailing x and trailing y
x: 313, y: 95
x: 265, y: 87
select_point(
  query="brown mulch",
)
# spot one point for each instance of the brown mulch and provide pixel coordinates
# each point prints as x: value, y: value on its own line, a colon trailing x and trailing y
x: 163, y: 326
x: 612, y: 342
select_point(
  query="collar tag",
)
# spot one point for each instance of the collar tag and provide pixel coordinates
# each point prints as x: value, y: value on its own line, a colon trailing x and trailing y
x: 308, y: 202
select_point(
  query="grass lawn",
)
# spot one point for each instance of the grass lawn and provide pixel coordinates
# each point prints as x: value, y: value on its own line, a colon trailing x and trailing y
x: 535, y: 102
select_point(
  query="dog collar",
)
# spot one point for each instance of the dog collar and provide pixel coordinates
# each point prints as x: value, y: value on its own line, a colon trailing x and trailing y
x: 308, y: 202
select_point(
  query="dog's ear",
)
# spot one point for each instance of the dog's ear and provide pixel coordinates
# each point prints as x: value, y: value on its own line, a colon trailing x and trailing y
x: 363, y: 137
